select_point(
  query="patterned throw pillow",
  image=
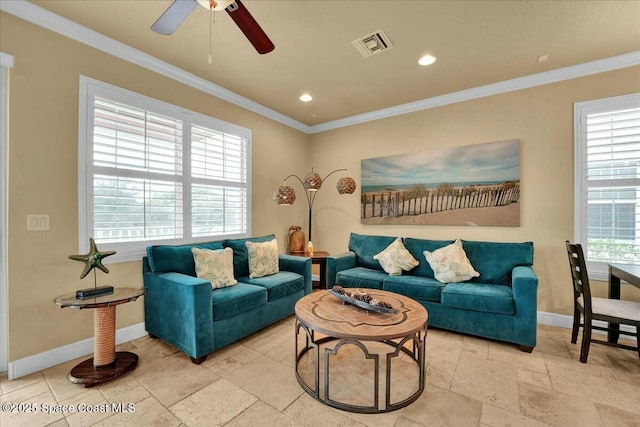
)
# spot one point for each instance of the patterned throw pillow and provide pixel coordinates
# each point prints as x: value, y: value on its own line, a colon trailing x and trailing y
x: 396, y: 258
x: 263, y: 258
x: 450, y: 264
x: 215, y: 266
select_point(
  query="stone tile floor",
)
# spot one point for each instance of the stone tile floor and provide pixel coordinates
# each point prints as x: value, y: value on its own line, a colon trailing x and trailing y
x: 470, y: 382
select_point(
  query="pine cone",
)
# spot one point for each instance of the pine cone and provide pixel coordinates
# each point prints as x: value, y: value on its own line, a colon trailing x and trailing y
x: 361, y: 296
x: 338, y: 289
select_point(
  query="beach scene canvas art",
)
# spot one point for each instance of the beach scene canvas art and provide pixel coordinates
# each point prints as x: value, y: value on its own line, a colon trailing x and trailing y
x: 475, y: 185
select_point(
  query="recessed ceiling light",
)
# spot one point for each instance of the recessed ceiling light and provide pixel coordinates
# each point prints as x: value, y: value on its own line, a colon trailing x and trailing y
x: 306, y: 97
x: 427, y: 60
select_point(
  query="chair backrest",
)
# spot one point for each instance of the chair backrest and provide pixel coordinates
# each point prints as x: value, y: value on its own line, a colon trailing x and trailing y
x: 579, y: 274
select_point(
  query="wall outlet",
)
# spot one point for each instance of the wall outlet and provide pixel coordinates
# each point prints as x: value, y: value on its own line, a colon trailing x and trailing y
x: 38, y: 222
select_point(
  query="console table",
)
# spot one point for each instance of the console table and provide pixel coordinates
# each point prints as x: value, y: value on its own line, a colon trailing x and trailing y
x: 106, y: 364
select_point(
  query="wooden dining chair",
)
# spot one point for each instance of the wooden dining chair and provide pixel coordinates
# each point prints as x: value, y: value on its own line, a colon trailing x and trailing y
x: 592, y: 308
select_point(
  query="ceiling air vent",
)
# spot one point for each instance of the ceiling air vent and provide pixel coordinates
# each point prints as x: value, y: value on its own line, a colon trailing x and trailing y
x: 372, y: 44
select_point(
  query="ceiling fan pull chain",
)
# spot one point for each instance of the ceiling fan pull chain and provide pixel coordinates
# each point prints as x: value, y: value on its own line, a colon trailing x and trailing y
x: 212, y: 18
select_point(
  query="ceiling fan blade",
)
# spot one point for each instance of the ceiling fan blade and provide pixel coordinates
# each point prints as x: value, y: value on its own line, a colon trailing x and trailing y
x: 251, y: 29
x: 171, y: 19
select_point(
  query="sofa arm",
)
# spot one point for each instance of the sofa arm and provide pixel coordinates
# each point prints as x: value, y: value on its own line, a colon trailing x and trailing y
x: 178, y: 310
x: 525, y: 295
x: 300, y: 265
x: 337, y: 263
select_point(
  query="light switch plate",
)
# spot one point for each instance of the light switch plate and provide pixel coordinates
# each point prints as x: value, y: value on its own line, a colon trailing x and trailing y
x: 38, y: 222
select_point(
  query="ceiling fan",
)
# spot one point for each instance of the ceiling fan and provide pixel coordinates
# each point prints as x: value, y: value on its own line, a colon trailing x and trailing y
x: 171, y: 19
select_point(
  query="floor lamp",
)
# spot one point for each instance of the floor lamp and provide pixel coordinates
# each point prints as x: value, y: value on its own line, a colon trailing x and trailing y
x: 285, y: 195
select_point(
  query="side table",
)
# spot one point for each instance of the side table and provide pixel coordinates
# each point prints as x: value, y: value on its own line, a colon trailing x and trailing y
x: 106, y: 364
x: 319, y: 258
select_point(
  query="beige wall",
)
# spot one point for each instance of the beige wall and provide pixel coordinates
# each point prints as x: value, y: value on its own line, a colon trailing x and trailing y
x: 541, y: 118
x: 43, y: 117
x: 43, y: 173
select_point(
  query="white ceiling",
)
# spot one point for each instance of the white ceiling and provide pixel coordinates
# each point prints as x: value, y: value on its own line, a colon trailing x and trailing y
x: 476, y: 43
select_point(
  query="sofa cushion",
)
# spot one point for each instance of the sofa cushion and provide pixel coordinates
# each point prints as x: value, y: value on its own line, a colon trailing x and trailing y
x: 263, y: 258
x: 240, y: 253
x: 228, y: 302
x: 177, y: 259
x: 360, y: 277
x: 417, y: 248
x: 450, y: 264
x: 395, y: 258
x: 279, y: 285
x: 416, y: 287
x: 215, y: 266
x: 366, y: 247
x: 495, y: 260
x: 479, y: 297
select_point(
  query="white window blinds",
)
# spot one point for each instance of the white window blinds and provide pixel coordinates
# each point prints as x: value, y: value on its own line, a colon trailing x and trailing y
x: 130, y: 145
x: 156, y: 173
x: 609, y: 154
x: 221, y: 206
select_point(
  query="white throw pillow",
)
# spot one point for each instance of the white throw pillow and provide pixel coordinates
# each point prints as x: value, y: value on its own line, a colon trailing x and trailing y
x: 215, y: 266
x: 263, y: 258
x: 450, y: 264
x: 395, y: 258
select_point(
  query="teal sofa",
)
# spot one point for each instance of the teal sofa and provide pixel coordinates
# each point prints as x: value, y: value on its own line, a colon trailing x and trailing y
x: 500, y: 304
x: 185, y: 312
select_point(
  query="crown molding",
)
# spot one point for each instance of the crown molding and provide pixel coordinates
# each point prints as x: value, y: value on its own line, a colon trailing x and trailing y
x: 56, y: 23
x: 567, y: 73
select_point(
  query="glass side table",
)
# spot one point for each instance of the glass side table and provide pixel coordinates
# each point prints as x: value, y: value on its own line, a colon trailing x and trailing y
x: 106, y: 364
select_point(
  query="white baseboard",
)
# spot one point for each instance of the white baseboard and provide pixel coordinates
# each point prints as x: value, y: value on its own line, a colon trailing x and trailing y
x: 566, y: 321
x: 37, y: 362
x: 47, y: 359
x: 554, y: 319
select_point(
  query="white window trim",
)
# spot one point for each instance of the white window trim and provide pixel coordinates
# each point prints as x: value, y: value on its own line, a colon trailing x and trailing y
x: 6, y: 62
x: 131, y: 251
x: 597, y: 270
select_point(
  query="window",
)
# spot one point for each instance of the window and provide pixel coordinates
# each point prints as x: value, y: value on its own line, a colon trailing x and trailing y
x: 607, y: 181
x: 154, y: 173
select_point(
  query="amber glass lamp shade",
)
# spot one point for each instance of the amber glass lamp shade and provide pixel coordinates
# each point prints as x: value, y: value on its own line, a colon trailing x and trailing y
x: 346, y: 185
x: 285, y: 195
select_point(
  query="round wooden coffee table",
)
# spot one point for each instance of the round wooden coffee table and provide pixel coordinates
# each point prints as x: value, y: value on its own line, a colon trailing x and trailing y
x: 334, y: 339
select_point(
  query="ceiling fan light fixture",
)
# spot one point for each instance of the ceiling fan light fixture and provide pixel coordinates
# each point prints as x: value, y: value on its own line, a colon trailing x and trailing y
x: 216, y: 5
x: 427, y: 60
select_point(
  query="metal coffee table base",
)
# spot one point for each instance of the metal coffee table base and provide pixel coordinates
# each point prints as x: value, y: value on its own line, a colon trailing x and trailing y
x: 417, y: 354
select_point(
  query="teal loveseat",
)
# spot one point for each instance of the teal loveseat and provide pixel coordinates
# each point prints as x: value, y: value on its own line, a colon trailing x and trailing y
x: 185, y: 312
x: 500, y: 304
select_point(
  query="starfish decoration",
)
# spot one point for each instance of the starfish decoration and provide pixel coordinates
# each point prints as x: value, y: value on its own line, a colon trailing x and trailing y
x: 92, y: 259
